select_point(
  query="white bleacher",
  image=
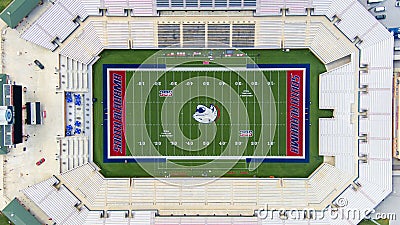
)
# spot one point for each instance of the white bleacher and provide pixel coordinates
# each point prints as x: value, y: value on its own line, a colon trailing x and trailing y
x: 120, y: 217
x: 376, y: 79
x: 276, y: 220
x: 336, y: 136
x: 118, y: 35
x: 101, y: 30
x: 369, y: 99
x: 297, y: 7
x: 206, y: 220
x: 117, y: 217
x: 74, y: 152
x: 337, y: 7
x: 311, y: 31
x: 84, y: 46
x: 142, y: 34
x: 376, y: 126
x: 269, y: 34
x: 46, y: 29
x: 355, y: 21
x: 375, y: 57
x: 294, y: 7
x: 294, y: 191
x: 45, y: 188
x: 75, y: 8
x: 295, y: 34
x: 58, y: 204
x: 379, y: 172
x: 77, y: 217
x: 95, y: 217
x: 61, y: 27
x: 337, y: 88
x: 75, y: 50
x: 329, y: 47
x: 373, y: 149
x: 269, y: 7
x: 73, y: 75
x: 142, y: 217
x: 118, y: 192
x: 116, y: 11
x: 327, y: 180
x: 364, y: 199
x: 36, y: 34
x: 143, y: 7
x: 377, y: 169
x: 374, y: 35
x: 116, y: 7
x: 346, y: 162
x: 321, y: 6
x: 92, y: 7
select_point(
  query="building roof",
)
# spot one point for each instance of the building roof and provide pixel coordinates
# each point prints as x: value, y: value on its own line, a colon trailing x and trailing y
x: 17, y: 214
x: 3, y: 149
x: 17, y: 10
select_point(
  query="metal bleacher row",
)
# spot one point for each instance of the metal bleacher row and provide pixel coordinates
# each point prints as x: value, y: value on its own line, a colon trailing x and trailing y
x: 46, y: 30
x: 336, y: 135
x: 62, y: 206
x: 97, y: 192
x: 74, y: 152
x: 301, y: 34
x: 359, y: 135
x: 205, y: 4
x: 99, y: 35
x: 73, y: 75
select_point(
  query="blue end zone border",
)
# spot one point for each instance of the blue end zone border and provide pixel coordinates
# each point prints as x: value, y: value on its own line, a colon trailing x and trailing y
x: 154, y: 160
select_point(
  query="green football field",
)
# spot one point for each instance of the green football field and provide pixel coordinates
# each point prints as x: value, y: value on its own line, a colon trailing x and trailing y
x: 191, y: 130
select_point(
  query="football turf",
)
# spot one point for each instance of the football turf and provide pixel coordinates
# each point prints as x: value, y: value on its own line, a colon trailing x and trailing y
x: 176, y: 145
x: 260, y: 56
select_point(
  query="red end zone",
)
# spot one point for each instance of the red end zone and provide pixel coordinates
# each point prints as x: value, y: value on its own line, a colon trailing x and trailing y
x: 295, y: 113
x: 117, y: 113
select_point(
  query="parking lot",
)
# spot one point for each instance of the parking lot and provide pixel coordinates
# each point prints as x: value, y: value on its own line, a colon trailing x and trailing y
x: 392, y: 19
x: 391, y: 11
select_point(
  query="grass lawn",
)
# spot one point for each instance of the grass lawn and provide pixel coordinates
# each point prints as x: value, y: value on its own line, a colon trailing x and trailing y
x: 4, y: 4
x: 381, y: 222
x: 3, y: 220
x: 261, y: 56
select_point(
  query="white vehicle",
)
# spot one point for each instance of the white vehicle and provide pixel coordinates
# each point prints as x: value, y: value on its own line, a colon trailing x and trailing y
x: 380, y: 9
x: 374, y: 1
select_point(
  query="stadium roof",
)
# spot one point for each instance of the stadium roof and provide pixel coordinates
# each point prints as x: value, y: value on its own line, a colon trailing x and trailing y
x: 17, y: 10
x: 17, y: 214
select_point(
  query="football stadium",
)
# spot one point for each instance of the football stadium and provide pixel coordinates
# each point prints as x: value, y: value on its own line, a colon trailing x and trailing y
x: 190, y: 112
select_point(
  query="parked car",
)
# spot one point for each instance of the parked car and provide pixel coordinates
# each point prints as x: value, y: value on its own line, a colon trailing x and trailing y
x: 380, y: 9
x: 397, y: 4
x: 39, y: 64
x: 38, y: 163
x: 380, y: 17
